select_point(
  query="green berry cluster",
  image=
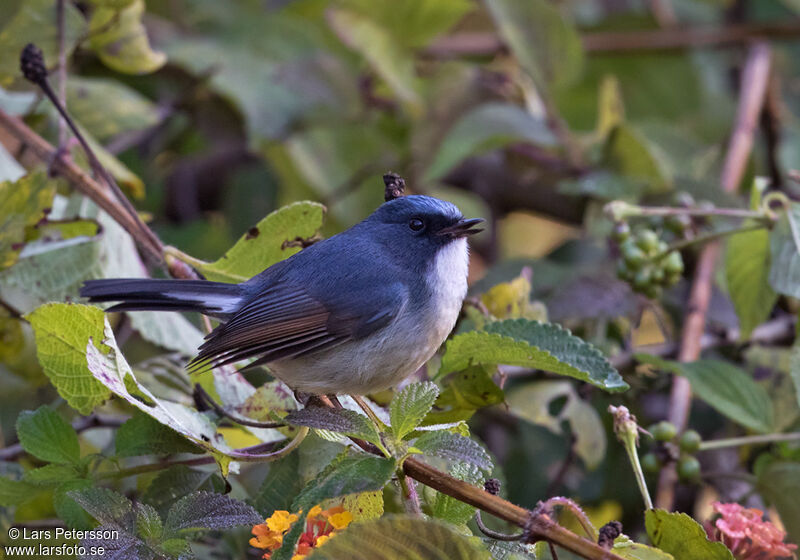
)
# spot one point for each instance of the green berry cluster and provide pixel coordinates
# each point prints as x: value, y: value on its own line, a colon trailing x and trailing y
x: 667, y: 450
x: 646, y: 262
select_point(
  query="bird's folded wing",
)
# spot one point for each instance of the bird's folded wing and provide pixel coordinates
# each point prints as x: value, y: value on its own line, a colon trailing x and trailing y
x: 285, y: 321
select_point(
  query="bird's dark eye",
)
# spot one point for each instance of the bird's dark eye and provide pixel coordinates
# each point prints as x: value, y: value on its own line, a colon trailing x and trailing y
x: 416, y: 224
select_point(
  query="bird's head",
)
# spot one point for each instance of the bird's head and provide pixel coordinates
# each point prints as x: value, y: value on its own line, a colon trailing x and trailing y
x: 421, y: 223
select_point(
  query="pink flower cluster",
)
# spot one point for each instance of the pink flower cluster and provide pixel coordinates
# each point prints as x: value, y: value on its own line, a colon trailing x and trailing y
x: 747, y: 535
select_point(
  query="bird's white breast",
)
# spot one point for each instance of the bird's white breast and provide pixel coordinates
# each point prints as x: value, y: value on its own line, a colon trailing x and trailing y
x: 448, y: 282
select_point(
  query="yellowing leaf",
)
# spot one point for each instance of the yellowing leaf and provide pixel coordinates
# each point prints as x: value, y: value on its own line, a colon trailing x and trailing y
x: 22, y: 204
x: 120, y: 40
x: 509, y: 299
x: 276, y: 237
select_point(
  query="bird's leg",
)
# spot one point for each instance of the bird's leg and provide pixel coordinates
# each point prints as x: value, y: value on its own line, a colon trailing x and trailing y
x: 201, y: 396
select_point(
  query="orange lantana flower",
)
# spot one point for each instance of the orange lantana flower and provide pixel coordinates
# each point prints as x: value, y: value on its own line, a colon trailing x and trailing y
x: 321, y: 526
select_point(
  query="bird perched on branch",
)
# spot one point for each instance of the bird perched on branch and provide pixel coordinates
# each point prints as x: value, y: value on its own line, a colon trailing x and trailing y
x: 353, y: 314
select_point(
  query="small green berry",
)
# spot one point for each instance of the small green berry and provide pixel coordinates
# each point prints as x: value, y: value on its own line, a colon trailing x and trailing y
x: 689, y: 441
x: 688, y: 469
x: 643, y: 278
x: 647, y: 241
x: 658, y: 275
x: 673, y: 263
x: 633, y: 255
x: 650, y: 463
x: 663, y: 431
x: 678, y: 224
x: 621, y: 232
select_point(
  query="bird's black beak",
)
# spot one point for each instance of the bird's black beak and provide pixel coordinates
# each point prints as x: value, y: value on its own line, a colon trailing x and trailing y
x: 461, y: 228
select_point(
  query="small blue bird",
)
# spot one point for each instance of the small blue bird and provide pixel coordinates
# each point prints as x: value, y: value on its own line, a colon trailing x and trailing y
x: 353, y: 314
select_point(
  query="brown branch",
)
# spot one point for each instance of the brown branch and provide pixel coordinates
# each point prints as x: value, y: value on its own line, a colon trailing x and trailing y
x: 46, y: 153
x: 669, y: 38
x: 754, y: 81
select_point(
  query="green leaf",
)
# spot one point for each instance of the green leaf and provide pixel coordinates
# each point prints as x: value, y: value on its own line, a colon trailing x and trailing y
x: 683, y: 537
x: 204, y: 510
x: 532, y: 402
x: 273, y: 239
x: 346, y: 475
x: 747, y: 264
x: 107, y: 507
x: 450, y: 509
x: 399, y: 537
x: 47, y: 436
x: 779, y: 483
x: 177, y: 481
x: 630, y: 154
x: 390, y: 60
x: 464, y: 393
x: 67, y: 508
x: 15, y: 492
x: 544, y: 43
x: 487, y: 127
x: 22, y: 204
x: 280, y: 487
x: 625, y: 547
x: 107, y: 108
x: 148, y: 523
x: 342, y: 421
x: 144, y: 435
x: 62, y: 333
x: 120, y: 39
x: 784, y: 274
x: 410, y: 406
x: 413, y: 23
x: 113, y: 371
x: 521, y: 342
x: 454, y: 447
x: 35, y: 22
x: 732, y: 392
x: 52, y: 474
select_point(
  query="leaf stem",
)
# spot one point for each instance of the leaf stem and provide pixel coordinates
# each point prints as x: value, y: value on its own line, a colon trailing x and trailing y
x: 702, y: 239
x: 410, y: 497
x: 619, y: 210
x: 748, y: 440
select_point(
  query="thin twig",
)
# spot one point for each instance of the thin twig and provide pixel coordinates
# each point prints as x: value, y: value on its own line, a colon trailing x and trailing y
x: 209, y: 400
x: 754, y: 80
x: 410, y: 496
x: 634, y: 42
x: 748, y: 440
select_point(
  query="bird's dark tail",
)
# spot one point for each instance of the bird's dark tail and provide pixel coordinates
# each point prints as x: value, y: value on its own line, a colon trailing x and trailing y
x: 140, y: 294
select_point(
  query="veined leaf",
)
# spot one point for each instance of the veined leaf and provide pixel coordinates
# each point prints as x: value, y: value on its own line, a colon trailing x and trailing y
x: 683, y: 537
x: 489, y: 126
x: 46, y: 435
x: 62, y: 333
x: 346, y: 475
x: 625, y: 547
x: 399, y: 537
x: 119, y: 38
x: 454, y: 448
x: 546, y: 45
x: 205, y: 510
x: 113, y: 371
x: 545, y: 346
x: 747, y: 264
x: 732, y: 392
x: 107, y: 507
x: 342, y: 421
x: 14, y: 492
x: 177, y: 481
x: 22, y: 204
x: 280, y: 487
x: 273, y: 239
x: 409, y: 407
